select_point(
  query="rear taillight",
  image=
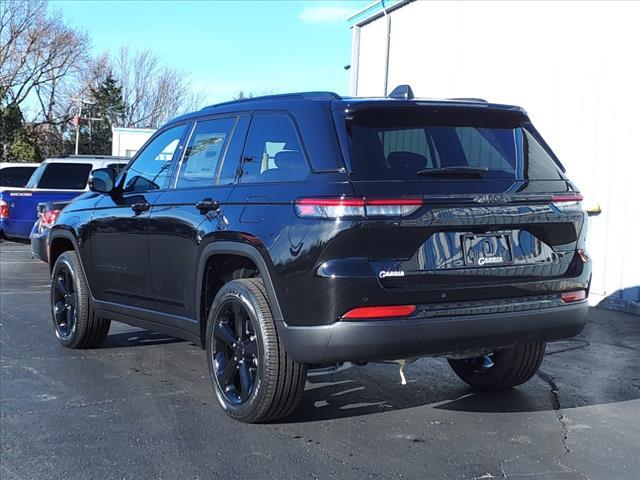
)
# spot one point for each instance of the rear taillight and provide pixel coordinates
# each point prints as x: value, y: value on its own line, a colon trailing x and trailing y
x: 569, y: 297
x: 48, y: 218
x: 4, y: 209
x: 356, y: 207
x: 362, y: 313
x: 329, y: 207
x: 567, y: 201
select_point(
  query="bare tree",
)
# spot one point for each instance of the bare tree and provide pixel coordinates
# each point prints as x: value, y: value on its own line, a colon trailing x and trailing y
x: 37, y: 53
x: 17, y: 17
x: 152, y: 94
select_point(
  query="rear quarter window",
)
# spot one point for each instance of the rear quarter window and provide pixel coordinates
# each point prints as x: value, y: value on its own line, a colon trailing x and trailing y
x: 273, y: 152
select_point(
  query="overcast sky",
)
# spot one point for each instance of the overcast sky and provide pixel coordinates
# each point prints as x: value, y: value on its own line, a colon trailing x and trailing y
x: 225, y: 47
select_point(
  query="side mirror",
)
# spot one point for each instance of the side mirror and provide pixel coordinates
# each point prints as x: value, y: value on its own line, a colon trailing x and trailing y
x: 102, y: 180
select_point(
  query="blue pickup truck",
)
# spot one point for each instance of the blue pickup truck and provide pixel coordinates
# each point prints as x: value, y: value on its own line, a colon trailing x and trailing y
x: 56, y: 179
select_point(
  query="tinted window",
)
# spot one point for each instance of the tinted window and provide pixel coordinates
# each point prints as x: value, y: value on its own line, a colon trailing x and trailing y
x: 392, y: 145
x: 64, y: 175
x: 272, y: 151
x: 15, y: 176
x: 231, y: 162
x: 411, y: 140
x: 538, y: 163
x: 151, y: 169
x: 117, y: 167
x: 205, y: 152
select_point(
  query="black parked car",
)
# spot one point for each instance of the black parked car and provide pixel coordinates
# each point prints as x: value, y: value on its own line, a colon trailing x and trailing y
x: 299, y: 231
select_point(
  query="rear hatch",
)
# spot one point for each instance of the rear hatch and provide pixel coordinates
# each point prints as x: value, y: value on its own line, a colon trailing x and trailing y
x: 485, y: 203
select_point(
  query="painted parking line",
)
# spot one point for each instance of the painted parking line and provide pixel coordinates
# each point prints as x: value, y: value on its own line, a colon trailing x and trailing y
x: 24, y: 261
x: 21, y: 292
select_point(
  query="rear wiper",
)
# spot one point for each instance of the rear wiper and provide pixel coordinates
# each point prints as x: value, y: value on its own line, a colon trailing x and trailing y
x: 474, y: 172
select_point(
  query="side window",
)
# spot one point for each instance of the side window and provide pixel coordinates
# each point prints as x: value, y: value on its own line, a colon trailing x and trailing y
x: 272, y: 151
x: 229, y: 170
x: 152, y: 167
x: 204, y: 153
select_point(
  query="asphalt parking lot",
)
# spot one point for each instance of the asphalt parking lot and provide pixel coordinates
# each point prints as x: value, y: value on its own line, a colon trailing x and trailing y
x: 141, y: 407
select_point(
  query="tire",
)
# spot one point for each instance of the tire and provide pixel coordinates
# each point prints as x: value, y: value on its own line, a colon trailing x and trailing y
x: 74, y: 320
x: 511, y: 367
x: 253, y: 377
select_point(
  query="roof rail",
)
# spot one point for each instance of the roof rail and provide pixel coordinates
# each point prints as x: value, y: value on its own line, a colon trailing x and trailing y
x: 402, y: 91
x: 469, y: 99
x: 284, y: 96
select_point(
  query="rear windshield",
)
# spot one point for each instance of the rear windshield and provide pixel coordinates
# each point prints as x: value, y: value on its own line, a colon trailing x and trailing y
x: 63, y: 176
x: 397, y: 144
x: 15, y: 176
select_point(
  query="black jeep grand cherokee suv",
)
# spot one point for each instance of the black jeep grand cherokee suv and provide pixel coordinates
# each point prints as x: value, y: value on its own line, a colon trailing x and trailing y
x: 297, y: 231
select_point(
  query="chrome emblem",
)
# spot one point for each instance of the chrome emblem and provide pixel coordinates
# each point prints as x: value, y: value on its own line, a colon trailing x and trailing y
x: 493, y: 199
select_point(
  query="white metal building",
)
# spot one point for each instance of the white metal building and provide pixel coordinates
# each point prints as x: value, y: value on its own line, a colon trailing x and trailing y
x: 574, y: 66
x: 127, y: 141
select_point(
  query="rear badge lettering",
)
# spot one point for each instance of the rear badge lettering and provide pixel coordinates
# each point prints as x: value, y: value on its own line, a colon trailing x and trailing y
x: 391, y: 273
x: 485, y: 260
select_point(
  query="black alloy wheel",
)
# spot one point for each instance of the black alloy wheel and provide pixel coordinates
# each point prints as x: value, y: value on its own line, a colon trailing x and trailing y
x: 64, y: 300
x: 252, y: 375
x: 75, y: 322
x: 235, y: 351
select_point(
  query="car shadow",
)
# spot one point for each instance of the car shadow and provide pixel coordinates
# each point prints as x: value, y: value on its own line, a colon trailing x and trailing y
x: 598, y: 367
x: 138, y: 338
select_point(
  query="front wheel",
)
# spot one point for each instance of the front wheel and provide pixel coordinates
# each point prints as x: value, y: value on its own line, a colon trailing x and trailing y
x: 501, y: 370
x: 253, y: 377
x: 75, y: 323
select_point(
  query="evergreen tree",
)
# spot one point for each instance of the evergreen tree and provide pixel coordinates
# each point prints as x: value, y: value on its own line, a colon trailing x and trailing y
x: 106, y: 112
x: 15, y: 143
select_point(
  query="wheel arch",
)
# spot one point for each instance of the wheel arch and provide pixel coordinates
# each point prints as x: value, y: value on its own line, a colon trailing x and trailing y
x: 248, y: 252
x: 60, y: 241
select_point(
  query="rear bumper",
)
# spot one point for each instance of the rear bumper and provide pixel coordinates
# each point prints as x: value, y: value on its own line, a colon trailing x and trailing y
x: 402, y: 338
x: 39, y: 248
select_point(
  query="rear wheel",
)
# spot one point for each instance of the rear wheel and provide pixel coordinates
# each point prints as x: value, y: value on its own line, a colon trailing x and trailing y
x: 501, y: 370
x: 75, y: 323
x: 252, y: 375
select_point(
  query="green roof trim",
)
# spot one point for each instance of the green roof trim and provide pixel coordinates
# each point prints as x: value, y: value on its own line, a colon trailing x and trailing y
x: 372, y: 11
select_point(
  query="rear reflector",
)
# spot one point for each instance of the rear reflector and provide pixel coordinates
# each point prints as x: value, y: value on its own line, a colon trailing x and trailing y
x: 569, y: 297
x: 379, y: 312
x: 356, y: 207
x: 4, y: 209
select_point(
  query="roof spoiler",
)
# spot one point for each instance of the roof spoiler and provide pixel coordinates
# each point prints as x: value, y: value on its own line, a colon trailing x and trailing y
x: 469, y: 99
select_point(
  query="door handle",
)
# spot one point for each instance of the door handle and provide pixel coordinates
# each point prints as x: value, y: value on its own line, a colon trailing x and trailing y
x: 140, y: 207
x: 207, y: 205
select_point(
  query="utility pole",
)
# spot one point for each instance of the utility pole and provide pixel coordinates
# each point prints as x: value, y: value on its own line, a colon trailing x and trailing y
x: 77, y: 122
